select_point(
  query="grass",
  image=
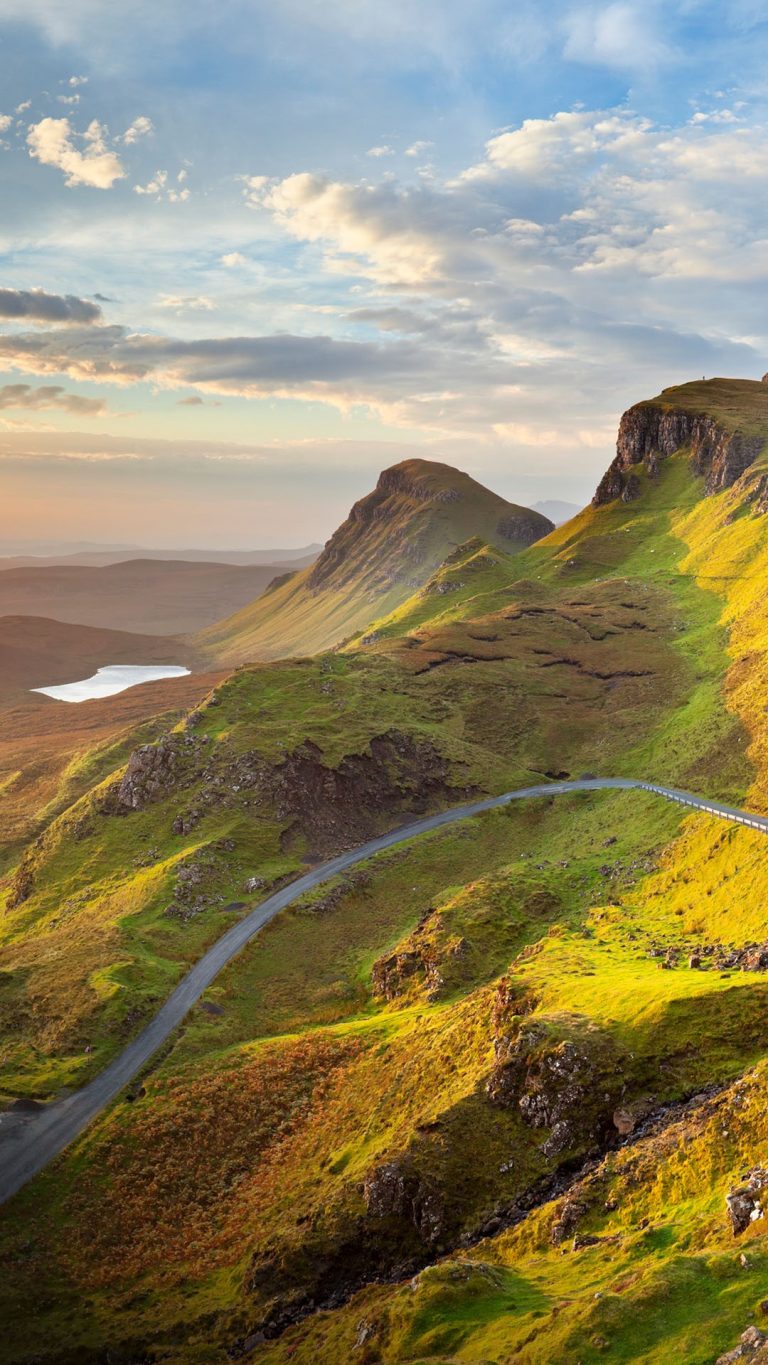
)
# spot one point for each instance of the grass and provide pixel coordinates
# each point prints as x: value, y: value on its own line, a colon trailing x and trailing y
x: 632, y: 641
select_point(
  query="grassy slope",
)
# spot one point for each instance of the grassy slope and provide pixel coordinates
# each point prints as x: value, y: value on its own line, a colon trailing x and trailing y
x: 371, y: 564
x: 148, y: 1227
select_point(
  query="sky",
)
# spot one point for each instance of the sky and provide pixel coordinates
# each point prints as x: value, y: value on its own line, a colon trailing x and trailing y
x: 252, y: 253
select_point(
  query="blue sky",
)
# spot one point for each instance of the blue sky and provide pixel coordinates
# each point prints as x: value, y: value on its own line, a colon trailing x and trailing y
x: 300, y: 242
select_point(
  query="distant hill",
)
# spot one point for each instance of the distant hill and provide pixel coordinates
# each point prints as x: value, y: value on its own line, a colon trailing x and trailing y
x: 556, y: 510
x: 17, y: 556
x: 390, y: 544
x: 156, y: 597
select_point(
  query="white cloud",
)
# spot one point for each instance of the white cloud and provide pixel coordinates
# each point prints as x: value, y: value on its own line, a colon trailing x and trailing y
x: 233, y: 260
x: 253, y: 187
x: 78, y: 80
x: 377, y: 224
x: 418, y: 148
x: 5, y: 122
x: 184, y: 302
x: 52, y: 142
x: 382, y: 150
x: 159, y: 188
x: 22, y: 108
x: 141, y: 127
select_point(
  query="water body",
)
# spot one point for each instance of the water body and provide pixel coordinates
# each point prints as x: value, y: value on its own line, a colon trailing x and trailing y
x: 114, y: 678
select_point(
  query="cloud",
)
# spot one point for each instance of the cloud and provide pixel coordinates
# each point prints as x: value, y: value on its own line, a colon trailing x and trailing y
x: 35, y: 305
x: 78, y: 80
x: 52, y: 142
x: 180, y: 303
x: 159, y: 188
x: 382, y: 150
x: 233, y: 260
x: 141, y: 127
x: 397, y: 231
x: 5, y: 122
x: 317, y: 368
x: 49, y: 396
x: 418, y: 148
x: 622, y: 36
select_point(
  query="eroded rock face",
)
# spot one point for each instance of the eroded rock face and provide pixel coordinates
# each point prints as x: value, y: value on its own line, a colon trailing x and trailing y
x: 425, y: 958
x: 395, y: 1190
x: 649, y: 434
x: 337, y: 806
x: 746, y: 1203
x: 522, y: 531
x: 571, y: 1085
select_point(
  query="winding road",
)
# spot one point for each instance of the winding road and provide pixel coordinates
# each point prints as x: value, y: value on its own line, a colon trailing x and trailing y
x: 29, y: 1142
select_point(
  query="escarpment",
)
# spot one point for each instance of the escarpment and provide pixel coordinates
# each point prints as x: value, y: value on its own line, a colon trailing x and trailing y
x: 651, y: 432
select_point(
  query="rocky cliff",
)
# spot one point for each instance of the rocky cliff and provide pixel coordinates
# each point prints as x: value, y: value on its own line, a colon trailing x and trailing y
x: 650, y: 432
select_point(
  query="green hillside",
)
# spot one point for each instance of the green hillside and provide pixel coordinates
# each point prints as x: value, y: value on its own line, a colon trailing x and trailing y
x: 390, y: 544
x: 481, y: 1100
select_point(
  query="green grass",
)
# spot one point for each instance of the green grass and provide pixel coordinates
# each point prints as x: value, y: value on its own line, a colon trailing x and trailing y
x: 630, y: 641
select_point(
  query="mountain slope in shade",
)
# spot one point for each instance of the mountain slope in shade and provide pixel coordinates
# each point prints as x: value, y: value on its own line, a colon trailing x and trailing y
x: 390, y: 544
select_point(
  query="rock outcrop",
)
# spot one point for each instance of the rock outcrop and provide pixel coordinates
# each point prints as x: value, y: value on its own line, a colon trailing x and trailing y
x: 650, y: 432
x: 149, y: 774
x: 746, y: 1202
x: 570, y: 1084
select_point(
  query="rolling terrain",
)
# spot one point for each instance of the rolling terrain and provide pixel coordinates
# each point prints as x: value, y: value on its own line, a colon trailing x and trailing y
x: 147, y: 596
x: 482, y: 1098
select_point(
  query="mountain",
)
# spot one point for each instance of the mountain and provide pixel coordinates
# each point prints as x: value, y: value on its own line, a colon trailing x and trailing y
x: 390, y: 544
x: 44, y: 556
x: 556, y: 510
x: 163, y: 597
x: 498, y: 1094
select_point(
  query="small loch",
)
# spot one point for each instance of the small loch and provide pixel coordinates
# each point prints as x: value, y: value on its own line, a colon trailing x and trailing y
x: 105, y: 682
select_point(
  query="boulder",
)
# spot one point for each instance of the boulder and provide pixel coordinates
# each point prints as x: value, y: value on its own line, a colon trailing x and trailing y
x: 746, y: 1202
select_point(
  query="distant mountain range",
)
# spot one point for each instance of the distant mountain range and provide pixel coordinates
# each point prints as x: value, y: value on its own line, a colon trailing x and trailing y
x: 556, y: 510
x: 151, y: 596
x: 25, y: 554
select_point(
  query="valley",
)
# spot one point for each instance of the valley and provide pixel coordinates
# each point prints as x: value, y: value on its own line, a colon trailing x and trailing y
x: 480, y: 1097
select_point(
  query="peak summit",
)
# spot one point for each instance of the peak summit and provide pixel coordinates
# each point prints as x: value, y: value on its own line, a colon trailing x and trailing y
x: 389, y: 546
x: 417, y: 514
